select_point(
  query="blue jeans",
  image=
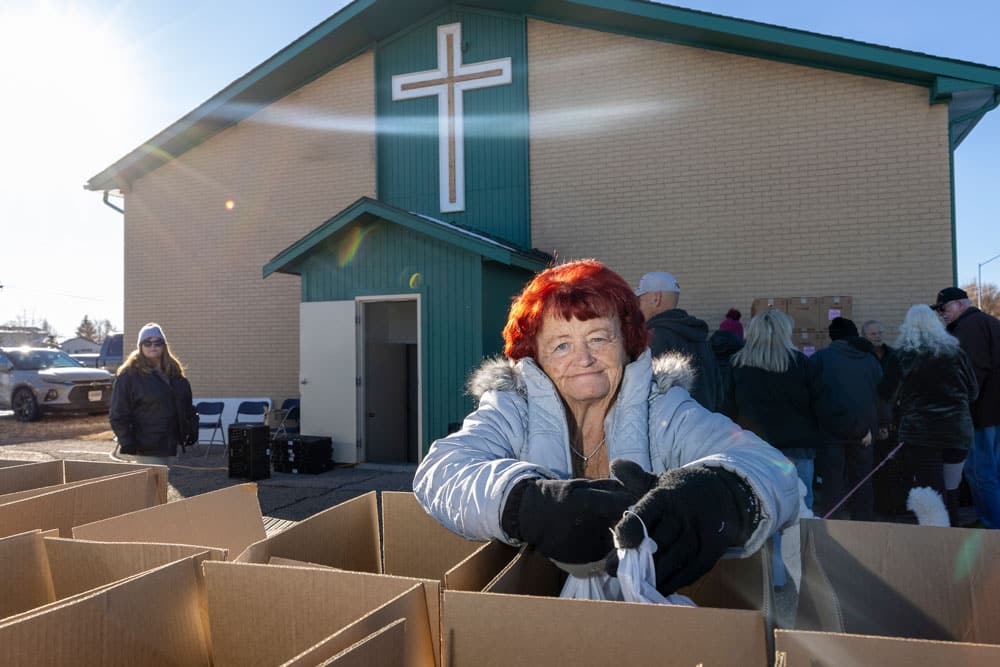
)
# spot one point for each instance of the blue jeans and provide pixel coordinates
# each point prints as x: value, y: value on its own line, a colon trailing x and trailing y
x: 982, y: 470
x: 804, y: 468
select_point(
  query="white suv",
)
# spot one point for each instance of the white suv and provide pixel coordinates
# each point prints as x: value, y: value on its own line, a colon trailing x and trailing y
x: 34, y: 380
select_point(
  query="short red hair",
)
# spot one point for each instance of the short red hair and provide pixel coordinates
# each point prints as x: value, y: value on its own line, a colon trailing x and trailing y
x: 584, y: 289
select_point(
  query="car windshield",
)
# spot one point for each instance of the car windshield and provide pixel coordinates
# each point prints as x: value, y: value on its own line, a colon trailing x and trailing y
x: 36, y: 360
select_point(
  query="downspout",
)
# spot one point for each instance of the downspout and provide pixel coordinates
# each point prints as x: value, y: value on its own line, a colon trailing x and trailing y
x: 110, y: 205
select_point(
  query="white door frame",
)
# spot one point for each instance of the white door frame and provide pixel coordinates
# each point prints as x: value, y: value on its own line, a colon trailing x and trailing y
x: 360, y: 338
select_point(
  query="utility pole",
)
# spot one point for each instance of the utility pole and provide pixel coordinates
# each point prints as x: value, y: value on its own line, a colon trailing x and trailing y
x: 979, y: 282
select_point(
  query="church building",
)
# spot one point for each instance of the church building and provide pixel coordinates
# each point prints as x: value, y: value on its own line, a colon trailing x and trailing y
x: 348, y: 221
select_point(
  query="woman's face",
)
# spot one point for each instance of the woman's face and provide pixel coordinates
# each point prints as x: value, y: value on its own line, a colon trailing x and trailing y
x: 585, y: 359
x: 152, y: 349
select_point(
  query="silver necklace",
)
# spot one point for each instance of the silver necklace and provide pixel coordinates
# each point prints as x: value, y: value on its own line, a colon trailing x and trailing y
x: 590, y: 455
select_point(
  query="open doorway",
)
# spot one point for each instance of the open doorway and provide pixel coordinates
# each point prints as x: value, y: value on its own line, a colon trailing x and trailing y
x: 390, y: 380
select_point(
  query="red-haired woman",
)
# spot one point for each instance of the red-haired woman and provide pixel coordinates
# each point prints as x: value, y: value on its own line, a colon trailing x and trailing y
x: 569, y: 428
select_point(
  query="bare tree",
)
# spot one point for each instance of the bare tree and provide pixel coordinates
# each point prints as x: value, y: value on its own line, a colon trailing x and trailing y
x: 86, y: 329
x: 991, y: 297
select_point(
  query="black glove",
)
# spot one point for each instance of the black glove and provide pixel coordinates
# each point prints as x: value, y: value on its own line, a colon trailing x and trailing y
x: 693, y: 515
x: 566, y: 520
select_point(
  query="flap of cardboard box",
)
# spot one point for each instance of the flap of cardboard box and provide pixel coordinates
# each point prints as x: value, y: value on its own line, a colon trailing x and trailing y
x: 900, y: 580
x: 80, y: 470
x: 385, y: 646
x: 269, y: 614
x: 227, y: 519
x: 795, y: 648
x: 30, y: 476
x: 64, y: 508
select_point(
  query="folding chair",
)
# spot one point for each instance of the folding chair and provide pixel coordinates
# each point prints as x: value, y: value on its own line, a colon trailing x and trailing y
x: 251, y: 412
x: 210, y: 416
x: 287, y: 417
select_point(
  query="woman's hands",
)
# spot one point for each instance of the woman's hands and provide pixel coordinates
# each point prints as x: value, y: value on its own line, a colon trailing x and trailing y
x: 566, y: 520
x: 693, y: 515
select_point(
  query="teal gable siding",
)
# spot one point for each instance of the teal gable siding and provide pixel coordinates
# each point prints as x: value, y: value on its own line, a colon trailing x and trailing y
x: 500, y: 285
x: 382, y: 258
x: 496, y: 127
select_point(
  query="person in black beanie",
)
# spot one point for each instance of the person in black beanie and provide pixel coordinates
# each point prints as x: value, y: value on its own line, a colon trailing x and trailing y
x: 845, y: 379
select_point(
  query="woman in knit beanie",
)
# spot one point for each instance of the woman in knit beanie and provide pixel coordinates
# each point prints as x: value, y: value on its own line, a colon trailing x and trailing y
x: 732, y: 322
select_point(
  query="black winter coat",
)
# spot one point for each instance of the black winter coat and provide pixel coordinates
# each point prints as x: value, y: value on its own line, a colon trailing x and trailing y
x: 979, y: 334
x: 675, y: 330
x: 152, y: 415
x: 933, y: 393
x: 845, y: 379
x: 724, y: 345
x: 778, y: 406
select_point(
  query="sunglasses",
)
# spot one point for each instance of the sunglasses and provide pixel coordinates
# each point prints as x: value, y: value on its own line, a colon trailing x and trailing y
x: 152, y: 343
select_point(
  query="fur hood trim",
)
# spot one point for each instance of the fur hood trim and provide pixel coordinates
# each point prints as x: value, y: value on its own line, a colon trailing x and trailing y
x: 502, y: 374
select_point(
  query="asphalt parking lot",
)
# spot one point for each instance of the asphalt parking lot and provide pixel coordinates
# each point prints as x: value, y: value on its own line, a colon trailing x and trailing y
x: 283, y: 496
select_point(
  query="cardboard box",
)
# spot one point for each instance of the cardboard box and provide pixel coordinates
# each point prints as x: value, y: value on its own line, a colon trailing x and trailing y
x: 835, y: 306
x: 761, y: 304
x: 809, y: 341
x: 495, y: 629
x: 151, y: 619
x: 226, y: 519
x: 413, y: 545
x: 269, y: 614
x: 26, y: 480
x: 897, y: 580
x: 42, y: 570
x: 65, y: 508
x: 804, y: 311
x: 797, y: 648
x: 382, y: 647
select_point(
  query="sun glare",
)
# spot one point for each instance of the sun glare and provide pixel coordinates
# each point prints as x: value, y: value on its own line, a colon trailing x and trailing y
x: 65, y: 74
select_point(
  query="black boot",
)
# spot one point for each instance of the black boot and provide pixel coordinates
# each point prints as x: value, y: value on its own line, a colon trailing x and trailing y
x: 951, y: 500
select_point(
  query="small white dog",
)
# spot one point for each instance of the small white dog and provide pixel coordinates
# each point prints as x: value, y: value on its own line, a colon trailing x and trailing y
x: 927, y: 504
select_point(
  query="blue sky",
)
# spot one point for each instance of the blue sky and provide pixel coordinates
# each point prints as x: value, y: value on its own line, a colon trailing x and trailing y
x: 93, y: 79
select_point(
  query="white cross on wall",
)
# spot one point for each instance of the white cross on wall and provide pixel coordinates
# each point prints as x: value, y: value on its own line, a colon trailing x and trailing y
x: 448, y: 82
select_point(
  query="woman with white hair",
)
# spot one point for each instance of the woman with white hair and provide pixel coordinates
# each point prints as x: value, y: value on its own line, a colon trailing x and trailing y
x: 930, y: 378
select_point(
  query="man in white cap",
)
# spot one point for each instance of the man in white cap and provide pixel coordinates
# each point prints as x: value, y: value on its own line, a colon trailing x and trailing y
x: 671, y: 329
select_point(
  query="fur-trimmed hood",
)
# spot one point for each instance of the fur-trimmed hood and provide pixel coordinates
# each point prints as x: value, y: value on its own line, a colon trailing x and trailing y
x: 502, y: 374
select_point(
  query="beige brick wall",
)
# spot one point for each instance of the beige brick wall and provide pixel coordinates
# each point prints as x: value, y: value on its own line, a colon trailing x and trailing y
x: 195, y: 267
x: 744, y: 177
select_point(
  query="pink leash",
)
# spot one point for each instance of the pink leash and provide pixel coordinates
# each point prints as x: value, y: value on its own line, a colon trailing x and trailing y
x: 859, y: 484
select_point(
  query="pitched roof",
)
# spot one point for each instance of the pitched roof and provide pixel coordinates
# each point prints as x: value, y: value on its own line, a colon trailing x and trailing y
x: 368, y: 210
x: 973, y: 89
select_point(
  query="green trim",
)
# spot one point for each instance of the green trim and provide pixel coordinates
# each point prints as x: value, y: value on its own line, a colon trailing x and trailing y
x: 943, y: 87
x: 369, y: 210
x: 366, y: 22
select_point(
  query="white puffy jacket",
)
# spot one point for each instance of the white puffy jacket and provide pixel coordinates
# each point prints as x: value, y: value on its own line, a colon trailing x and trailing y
x: 519, y: 430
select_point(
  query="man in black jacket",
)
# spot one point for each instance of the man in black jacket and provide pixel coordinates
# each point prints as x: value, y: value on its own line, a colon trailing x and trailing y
x: 672, y: 329
x: 979, y: 335
x: 845, y: 379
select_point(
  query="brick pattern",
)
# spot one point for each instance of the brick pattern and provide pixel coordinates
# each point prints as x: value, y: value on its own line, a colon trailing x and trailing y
x: 742, y: 176
x: 195, y: 267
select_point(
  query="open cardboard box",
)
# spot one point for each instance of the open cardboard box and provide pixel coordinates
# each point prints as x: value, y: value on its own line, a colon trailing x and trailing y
x: 26, y: 479
x: 42, y: 569
x: 412, y: 544
x: 519, y: 619
x: 228, y: 519
x: 898, y: 580
x: 75, y: 504
x: 193, y: 612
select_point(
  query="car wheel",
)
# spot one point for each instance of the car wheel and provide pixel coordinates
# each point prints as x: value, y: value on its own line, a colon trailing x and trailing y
x: 25, y: 406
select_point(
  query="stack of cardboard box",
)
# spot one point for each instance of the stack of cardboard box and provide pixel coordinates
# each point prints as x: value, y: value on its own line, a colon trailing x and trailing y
x: 811, y: 317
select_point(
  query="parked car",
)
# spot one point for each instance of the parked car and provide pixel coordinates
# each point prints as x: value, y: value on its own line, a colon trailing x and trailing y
x: 36, y: 380
x: 110, y: 356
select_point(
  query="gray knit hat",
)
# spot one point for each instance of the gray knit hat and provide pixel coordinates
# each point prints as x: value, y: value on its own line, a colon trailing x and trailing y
x: 151, y: 330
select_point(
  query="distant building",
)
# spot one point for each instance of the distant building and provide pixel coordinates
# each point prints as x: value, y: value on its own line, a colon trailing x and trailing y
x: 79, y: 345
x: 17, y: 336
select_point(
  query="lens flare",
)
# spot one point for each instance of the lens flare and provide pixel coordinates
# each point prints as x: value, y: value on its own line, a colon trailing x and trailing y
x: 967, y: 554
x: 416, y: 280
x: 350, y: 244
x: 230, y: 204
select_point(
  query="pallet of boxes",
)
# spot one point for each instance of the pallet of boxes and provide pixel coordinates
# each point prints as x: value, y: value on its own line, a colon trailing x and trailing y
x: 811, y: 317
